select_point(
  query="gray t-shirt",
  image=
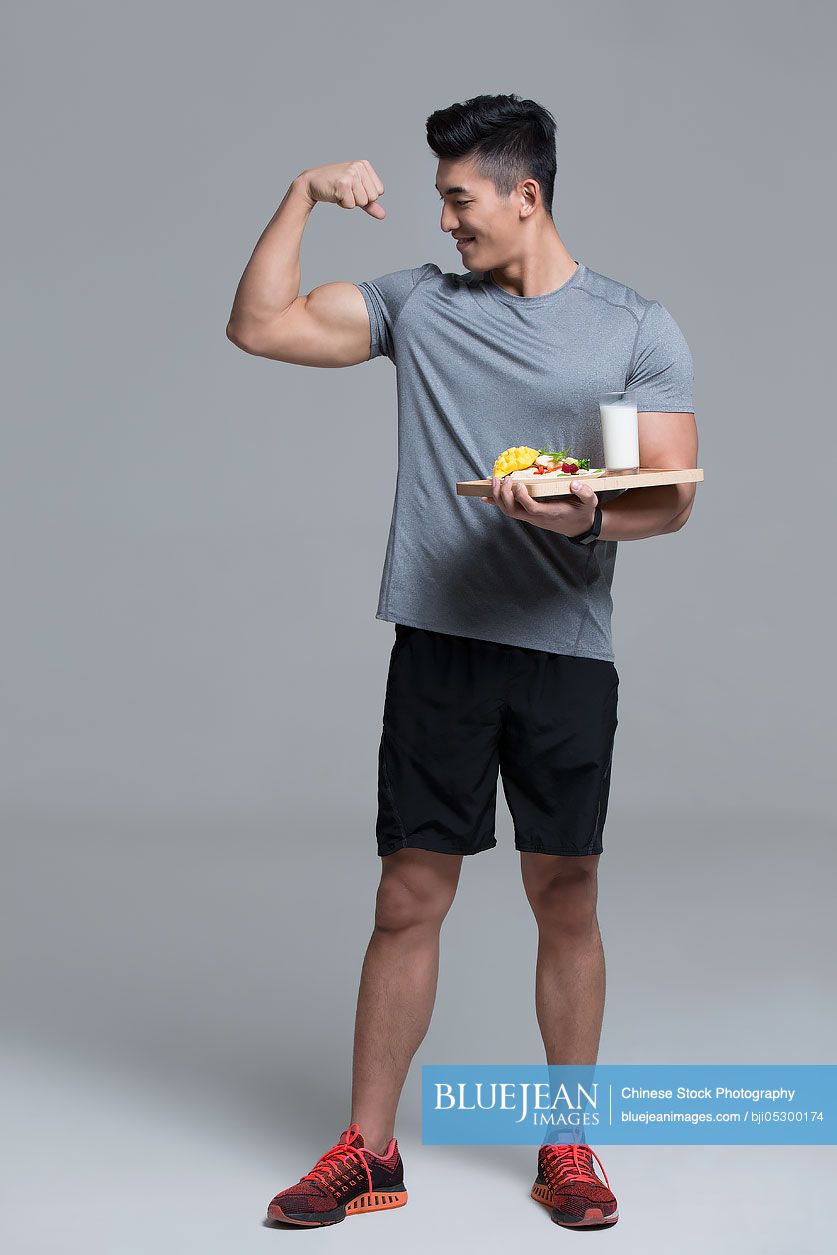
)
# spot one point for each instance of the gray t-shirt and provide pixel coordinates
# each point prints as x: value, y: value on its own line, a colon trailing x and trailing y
x: 478, y: 370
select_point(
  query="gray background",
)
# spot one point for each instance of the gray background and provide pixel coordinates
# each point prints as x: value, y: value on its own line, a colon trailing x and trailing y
x: 192, y: 674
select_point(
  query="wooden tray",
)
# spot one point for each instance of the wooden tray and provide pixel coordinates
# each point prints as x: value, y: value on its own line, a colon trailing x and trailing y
x: 645, y: 477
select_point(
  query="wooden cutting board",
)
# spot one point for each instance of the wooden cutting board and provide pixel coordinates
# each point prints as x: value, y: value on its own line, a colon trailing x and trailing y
x: 645, y: 477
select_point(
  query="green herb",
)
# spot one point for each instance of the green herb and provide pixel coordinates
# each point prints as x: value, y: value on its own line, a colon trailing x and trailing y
x: 583, y: 463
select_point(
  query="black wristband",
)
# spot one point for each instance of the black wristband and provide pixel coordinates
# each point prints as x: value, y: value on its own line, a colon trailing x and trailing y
x: 592, y: 534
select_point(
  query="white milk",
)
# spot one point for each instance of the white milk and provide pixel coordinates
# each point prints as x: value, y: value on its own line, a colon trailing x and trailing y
x: 620, y: 435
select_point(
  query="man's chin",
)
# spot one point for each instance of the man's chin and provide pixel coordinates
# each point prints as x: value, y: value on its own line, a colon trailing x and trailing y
x: 473, y: 258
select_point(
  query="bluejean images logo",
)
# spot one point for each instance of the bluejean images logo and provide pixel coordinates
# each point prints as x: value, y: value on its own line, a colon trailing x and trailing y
x: 544, y: 1104
x: 701, y: 1104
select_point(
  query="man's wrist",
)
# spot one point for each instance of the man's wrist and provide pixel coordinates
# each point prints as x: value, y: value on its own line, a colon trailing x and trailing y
x: 590, y: 534
x: 300, y: 188
x: 586, y: 527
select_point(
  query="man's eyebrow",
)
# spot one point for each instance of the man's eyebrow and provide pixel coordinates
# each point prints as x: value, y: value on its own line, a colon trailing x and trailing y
x: 450, y: 190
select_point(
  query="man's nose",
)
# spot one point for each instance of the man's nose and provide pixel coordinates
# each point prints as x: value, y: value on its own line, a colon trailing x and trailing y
x: 448, y: 220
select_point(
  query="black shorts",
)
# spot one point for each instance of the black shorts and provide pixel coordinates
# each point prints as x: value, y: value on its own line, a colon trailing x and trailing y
x: 457, y: 710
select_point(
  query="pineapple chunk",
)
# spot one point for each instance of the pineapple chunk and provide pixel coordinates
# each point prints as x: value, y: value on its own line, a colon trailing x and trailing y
x: 516, y: 459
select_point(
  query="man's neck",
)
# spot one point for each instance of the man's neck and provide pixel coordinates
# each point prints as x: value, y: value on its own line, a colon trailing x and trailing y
x: 545, y: 267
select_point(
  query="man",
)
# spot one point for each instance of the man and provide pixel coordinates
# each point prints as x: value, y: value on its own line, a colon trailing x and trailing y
x: 502, y: 658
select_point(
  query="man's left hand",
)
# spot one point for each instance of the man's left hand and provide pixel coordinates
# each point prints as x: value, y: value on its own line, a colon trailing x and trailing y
x: 570, y: 515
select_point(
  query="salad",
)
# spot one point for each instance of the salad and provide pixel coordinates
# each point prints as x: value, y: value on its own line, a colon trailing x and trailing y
x: 523, y: 462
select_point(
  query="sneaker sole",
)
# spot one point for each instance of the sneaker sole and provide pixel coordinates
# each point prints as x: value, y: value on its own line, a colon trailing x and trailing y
x: 592, y: 1216
x: 378, y: 1200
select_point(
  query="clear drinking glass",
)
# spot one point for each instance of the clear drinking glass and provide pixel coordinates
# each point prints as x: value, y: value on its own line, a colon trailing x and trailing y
x: 620, y: 431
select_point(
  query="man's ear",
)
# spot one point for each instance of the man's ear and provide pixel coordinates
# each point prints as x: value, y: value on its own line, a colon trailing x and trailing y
x: 528, y: 189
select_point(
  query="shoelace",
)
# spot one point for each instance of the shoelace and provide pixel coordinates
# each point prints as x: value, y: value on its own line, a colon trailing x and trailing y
x: 333, y: 1165
x: 573, y: 1163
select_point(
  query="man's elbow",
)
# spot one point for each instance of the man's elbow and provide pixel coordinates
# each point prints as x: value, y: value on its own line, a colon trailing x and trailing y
x: 237, y: 337
x: 682, y: 515
x: 679, y: 520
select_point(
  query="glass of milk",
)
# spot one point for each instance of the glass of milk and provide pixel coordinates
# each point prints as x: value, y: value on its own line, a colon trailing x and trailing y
x: 620, y: 431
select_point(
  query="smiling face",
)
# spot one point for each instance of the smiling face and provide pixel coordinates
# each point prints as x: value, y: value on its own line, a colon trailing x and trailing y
x: 473, y: 211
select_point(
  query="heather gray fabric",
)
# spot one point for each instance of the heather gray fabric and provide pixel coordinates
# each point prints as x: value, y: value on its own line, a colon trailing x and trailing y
x: 478, y: 370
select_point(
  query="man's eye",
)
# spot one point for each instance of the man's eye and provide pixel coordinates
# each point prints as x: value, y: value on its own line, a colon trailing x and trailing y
x: 463, y: 202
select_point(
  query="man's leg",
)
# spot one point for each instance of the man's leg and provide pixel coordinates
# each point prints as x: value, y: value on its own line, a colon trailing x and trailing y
x: 398, y: 983
x: 570, y: 976
x: 569, y: 998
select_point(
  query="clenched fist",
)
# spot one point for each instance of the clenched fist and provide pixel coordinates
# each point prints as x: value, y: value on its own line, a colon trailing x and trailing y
x: 350, y: 184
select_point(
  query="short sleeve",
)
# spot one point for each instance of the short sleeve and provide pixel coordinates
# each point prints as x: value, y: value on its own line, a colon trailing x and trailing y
x: 385, y: 298
x: 661, y: 373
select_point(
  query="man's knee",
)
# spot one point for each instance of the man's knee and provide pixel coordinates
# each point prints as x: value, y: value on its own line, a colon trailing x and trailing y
x: 562, y: 890
x: 417, y: 888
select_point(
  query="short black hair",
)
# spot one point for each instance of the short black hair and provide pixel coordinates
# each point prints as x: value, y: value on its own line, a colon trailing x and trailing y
x: 507, y: 138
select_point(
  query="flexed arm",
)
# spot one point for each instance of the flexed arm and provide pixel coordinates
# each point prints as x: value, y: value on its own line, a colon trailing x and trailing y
x: 270, y: 318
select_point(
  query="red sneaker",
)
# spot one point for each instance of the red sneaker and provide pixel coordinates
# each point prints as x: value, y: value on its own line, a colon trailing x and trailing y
x: 346, y: 1181
x: 567, y: 1182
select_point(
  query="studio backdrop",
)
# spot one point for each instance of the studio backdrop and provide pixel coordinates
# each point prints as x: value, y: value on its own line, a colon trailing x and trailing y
x: 192, y: 670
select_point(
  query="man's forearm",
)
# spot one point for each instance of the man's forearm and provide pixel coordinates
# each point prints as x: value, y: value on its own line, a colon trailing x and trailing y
x: 642, y: 512
x: 271, y: 278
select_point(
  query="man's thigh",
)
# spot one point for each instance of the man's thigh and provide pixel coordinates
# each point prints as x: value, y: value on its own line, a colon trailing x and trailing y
x: 556, y: 749
x: 438, y: 760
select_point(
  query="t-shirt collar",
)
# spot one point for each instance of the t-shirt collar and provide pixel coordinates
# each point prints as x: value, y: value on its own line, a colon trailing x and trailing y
x: 510, y: 298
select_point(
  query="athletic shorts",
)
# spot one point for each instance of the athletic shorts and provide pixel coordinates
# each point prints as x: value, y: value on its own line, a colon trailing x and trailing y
x: 458, y: 710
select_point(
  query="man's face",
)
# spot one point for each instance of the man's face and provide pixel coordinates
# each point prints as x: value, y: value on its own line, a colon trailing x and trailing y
x: 472, y: 211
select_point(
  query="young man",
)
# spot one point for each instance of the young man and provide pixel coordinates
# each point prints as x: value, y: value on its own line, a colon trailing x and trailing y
x: 502, y: 658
